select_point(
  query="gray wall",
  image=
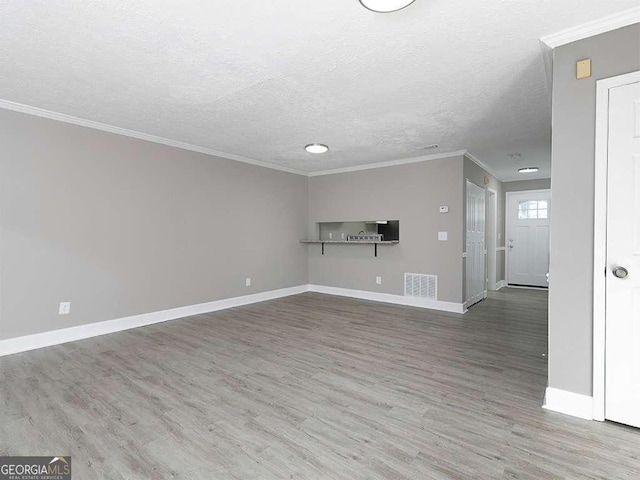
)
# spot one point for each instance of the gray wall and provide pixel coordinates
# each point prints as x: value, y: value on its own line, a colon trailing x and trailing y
x: 572, y: 189
x: 409, y: 193
x: 476, y: 174
x: 119, y: 226
x: 522, y: 185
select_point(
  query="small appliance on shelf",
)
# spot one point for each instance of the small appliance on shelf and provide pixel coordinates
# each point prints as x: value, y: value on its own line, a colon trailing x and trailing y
x: 368, y: 237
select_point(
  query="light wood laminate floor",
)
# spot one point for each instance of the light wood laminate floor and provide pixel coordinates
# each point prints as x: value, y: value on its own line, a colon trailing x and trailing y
x: 310, y: 387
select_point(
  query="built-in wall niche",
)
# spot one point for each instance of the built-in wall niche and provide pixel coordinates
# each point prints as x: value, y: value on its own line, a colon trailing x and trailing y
x: 350, y: 231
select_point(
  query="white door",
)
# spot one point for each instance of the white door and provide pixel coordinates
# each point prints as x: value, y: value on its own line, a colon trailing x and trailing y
x: 475, y: 265
x: 622, y: 370
x: 527, y: 243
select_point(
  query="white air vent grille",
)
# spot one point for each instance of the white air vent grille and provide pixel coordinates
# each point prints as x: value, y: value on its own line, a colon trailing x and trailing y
x: 421, y: 286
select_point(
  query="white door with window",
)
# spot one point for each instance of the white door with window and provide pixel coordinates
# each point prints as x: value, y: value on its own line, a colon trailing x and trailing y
x: 475, y: 247
x: 622, y: 364
x: 527, y: 241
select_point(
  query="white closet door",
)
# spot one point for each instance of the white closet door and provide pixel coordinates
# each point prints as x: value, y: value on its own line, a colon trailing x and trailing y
x: 622, y: 394
x: 475, y: 247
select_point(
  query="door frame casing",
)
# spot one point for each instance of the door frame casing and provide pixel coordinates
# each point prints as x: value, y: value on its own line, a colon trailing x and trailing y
x: 492, y: 251
x: 600, y: 235
x: 506, y: 227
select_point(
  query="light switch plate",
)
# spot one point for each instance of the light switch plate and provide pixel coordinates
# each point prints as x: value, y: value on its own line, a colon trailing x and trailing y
x: 444, y: 209
x: 65, y: 308
x: 583, y: 69
x: 247, y: 282
x: 443, y: 236
x: 379, y: 280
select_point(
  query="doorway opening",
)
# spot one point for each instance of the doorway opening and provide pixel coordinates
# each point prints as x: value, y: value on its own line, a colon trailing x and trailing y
x: 528, y: 215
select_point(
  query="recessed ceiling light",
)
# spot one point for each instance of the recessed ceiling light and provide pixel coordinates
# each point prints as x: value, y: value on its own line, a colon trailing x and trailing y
x: 316, y: 148
x: 385, y: 6
x: 528, y: 169
x: 431, y: 147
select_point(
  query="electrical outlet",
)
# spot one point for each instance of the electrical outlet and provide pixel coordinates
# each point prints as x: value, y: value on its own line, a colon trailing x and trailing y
x: 247, y: 282
x: 342, y: 236
x: 444, y: 209
x: 379, y: 280
x: 443, y: 236
x: 65, y: 308
x: 330, y: 236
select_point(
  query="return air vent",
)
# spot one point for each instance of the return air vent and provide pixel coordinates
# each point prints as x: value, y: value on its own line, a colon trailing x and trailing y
x: 421, y: 286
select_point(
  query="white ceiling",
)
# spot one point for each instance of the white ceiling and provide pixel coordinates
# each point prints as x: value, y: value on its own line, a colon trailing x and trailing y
x: 262, y: 78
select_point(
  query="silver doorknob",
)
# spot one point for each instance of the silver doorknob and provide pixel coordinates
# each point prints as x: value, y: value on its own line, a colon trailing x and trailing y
x: 620, y: 272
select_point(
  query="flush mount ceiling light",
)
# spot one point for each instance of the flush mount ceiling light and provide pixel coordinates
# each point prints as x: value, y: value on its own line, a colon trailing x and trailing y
x: 316, y: 148
x: 528, y: 169
x: 385, y: 6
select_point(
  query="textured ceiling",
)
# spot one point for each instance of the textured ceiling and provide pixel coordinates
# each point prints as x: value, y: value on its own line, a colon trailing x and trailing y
x: 263, y: 78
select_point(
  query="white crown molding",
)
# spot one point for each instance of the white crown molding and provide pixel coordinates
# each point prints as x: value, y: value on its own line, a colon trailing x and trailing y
x: 390, y: 163
x: 390, y: 298
x: 61, y: 117
x: 407, y: 161
x: 64, y: 335
x: 482, y: 165
x: 569, y: 403
x: 586, y: 30
x: 547, y: 60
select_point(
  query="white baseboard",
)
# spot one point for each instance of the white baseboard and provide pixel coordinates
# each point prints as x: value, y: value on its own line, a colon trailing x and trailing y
x: 525, y: 287
x: 569, y: 403
x: 64, y: 335
x: 389, y: 298
x: 81, y: 332
x: 501, y: 284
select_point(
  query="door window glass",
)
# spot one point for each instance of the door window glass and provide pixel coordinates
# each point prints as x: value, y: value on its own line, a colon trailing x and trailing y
x: 533, y: 209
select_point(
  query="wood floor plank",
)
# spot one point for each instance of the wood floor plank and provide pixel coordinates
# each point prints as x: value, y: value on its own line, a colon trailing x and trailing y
x: 311, y: 387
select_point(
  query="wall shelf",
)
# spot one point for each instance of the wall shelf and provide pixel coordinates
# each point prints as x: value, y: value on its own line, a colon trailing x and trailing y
x: 352, y: 242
